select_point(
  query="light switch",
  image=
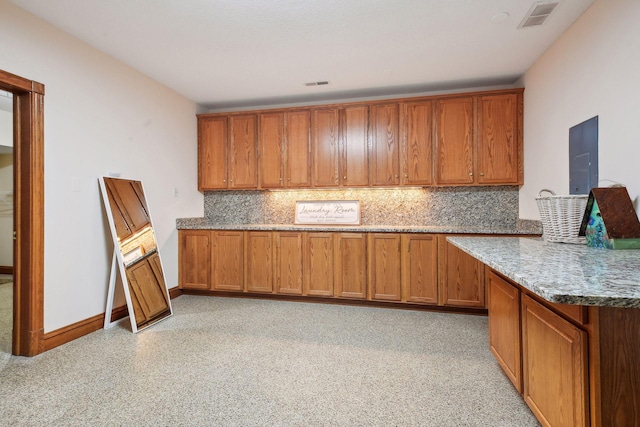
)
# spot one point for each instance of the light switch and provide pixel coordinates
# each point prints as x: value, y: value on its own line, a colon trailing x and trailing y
x: 75, y: 184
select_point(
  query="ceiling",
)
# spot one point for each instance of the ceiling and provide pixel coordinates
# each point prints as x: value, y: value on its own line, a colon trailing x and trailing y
x: 226, y: 54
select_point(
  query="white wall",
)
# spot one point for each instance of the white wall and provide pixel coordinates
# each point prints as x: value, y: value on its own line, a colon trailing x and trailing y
x: 6, y: 209
x: 593, y: 69
x: 6, y: 128
x: 100, y: 116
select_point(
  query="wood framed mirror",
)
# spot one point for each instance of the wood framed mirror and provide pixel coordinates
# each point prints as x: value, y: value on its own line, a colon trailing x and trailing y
x: 136, y: 254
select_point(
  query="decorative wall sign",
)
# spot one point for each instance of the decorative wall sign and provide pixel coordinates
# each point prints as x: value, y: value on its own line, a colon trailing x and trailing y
x: 328, y: 212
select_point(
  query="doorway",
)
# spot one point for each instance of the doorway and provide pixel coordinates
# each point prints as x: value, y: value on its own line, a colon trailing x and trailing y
x: 6, y: 223
x: 28, y: 213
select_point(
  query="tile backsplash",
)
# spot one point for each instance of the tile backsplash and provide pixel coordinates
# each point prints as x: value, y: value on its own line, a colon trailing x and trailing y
x: 454, y: 206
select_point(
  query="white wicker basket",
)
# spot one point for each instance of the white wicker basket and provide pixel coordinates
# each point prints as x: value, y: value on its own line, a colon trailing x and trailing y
x: 561, y: 217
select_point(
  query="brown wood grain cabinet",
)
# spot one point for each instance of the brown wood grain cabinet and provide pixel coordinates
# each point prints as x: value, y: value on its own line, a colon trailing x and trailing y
x: 271, y: 150
x: 319, y: 267
x: 243, y: 171
x: 554, y: 367
x: 325, y: 144
x: 289, y: 263
x: 194, y: 259
x: 385, y: 266
x: 228, y: 261
x: 212, y: 153
x: 354, y: 146
x: 258, y: 259
x: 497, y: 154
x: 297, y: 161
x: 448, y: 140
x: 129, y: 207
x: 417, y: 143
x: 461, y: 277
x: 350, y: 265
x: 505, y: 339
x: 147, y: 289
x: 385, y: 144
x: 420, y: 268
x: 454, y: 145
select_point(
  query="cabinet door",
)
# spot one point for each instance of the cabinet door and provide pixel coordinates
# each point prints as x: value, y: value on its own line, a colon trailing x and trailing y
x: 129, y: 207
x: 212, y: 153
x: 385, y: 138
x: 417, y: 142
x: 384, y: 266
x: 497, y: 139
x: 454, y: 153
x: 505, y: 340
x: 554, y: 367
x: 289, y: 264
x: 354, y: 150
x: 270, y: 154
x: 351, y: 265
x: 325, y: 136
x: 462, y: 278
x: 228, y: 264
x: 258, y: 258
x: 420, y: 268
x: 242, y: 147
x: 149, y: 290
x: 298, y: 149
x: 194, y: 259
x: 318, y: 264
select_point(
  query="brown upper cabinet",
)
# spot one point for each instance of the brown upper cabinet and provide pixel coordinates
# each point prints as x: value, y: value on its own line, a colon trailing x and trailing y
x: 385, y: 144
x: 227, y: 149
x: 498, y: 160
x: 454, y: 152
x: 449, y: 140
x: 340, y: 147
x: 212, y: 153
x: 417, y: 143
x: 242, y: 149
x: 284, y: 149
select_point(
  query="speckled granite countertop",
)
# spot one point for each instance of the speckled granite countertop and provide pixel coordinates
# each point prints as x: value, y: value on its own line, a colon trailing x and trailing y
x: 562, y: 273
x: 203, y: 224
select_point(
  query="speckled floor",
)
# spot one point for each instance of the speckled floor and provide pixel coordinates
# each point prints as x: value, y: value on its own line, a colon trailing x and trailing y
x: 242, y: 362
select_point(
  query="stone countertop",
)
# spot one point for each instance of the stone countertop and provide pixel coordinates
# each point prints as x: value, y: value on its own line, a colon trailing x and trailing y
x: 204, y: 224
x: 562, y: 273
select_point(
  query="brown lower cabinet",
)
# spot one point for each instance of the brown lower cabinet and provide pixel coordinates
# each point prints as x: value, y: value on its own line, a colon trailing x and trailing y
x: 461, y: 277
x: 574, y: 365
x: 394, y: 267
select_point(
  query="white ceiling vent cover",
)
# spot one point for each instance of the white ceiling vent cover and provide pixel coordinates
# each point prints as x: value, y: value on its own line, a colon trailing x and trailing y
x: 538, y: 13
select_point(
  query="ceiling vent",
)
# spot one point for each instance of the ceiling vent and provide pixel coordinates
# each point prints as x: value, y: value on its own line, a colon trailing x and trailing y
x: 538, y: 14
x: 317, y: 83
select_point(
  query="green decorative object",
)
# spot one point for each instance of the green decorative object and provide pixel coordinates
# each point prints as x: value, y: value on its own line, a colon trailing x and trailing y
x: 610, y: 221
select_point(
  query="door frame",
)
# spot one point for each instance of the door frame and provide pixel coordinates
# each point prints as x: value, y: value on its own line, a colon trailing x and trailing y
x: 28, y: 184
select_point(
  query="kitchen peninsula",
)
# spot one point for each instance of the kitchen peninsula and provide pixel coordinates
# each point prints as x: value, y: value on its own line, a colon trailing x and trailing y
x: 564, y: 324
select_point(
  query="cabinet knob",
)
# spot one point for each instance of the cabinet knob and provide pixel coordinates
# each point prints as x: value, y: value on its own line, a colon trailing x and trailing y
x: 345, y: 177
x: 481, y: 173
x: 280, y: 179
x: 470, y: 174
x: 406, y: 176
x: 224, y: 180
x: 288, y: 179
x: 397, y: 176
